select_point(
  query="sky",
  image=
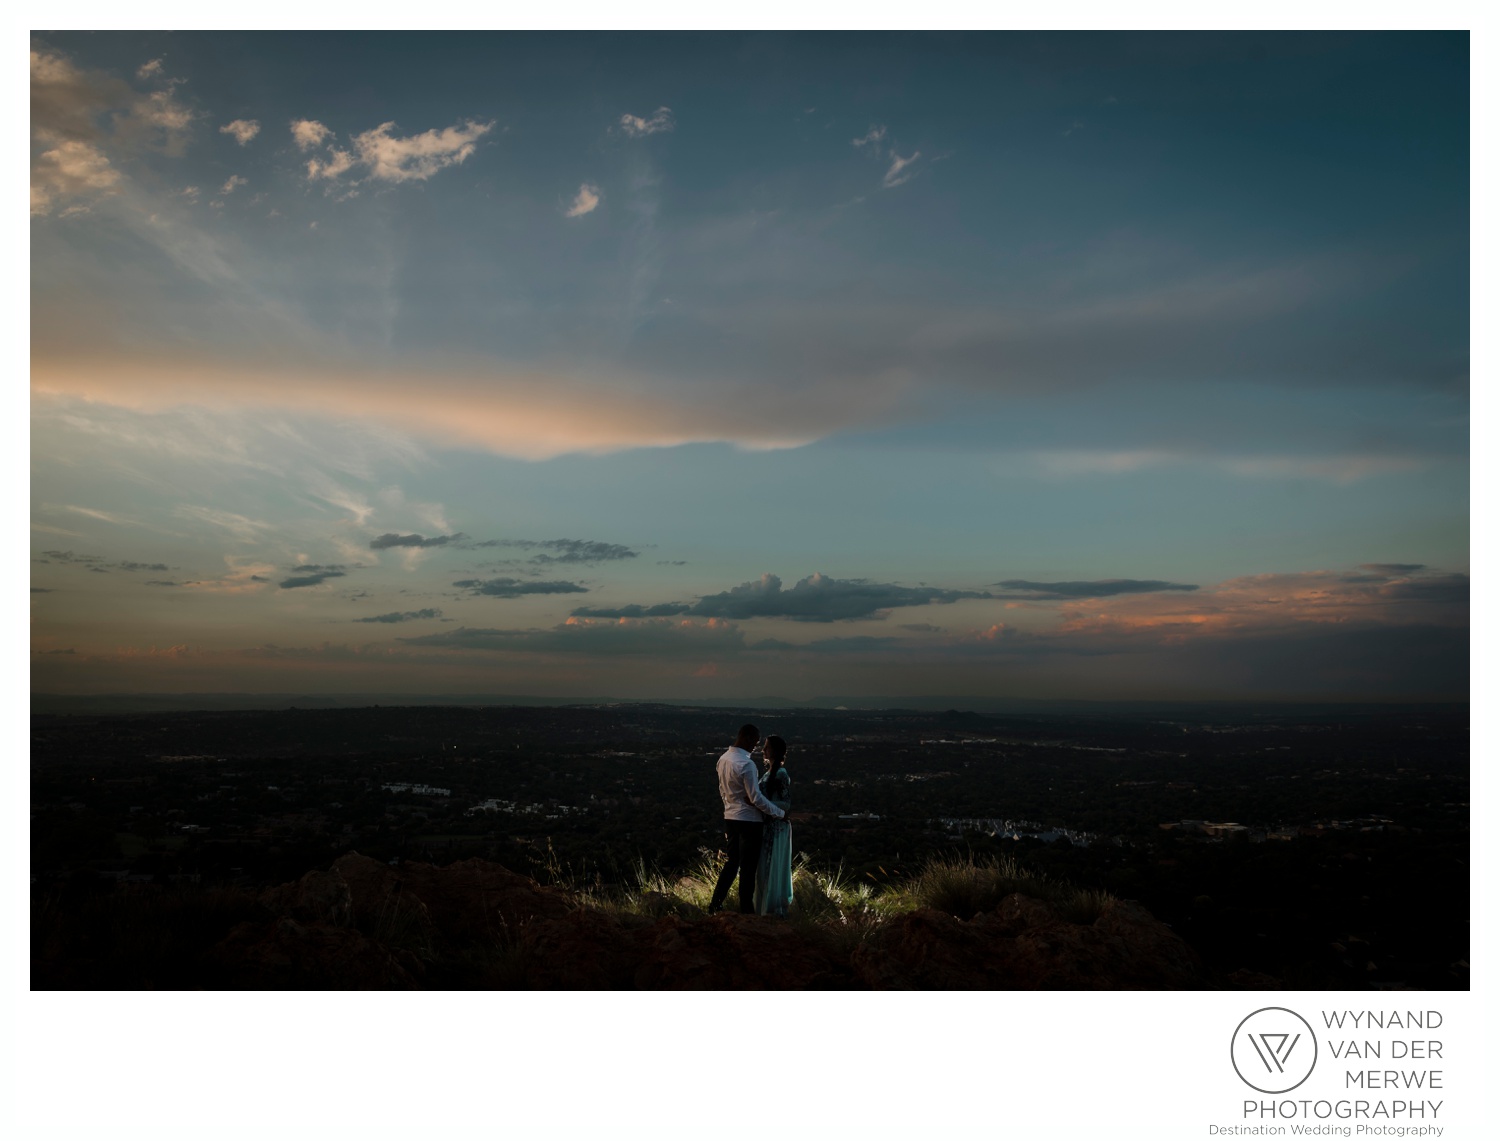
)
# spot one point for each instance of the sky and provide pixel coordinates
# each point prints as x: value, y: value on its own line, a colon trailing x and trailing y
x: 1093, y: 366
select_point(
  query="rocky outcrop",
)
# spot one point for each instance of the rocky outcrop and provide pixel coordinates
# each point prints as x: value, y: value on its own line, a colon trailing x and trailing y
x: 1024, y: 944
x: 287, y: 955
x: 365, y: 924
x: 590, y: 950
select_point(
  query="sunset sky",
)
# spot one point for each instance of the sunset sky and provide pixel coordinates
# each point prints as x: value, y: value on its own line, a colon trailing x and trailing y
x: 1102, y: 366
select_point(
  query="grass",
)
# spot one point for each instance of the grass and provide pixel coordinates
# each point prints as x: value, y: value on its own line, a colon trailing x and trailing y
x: 965, y: 887
x: 958, y: 885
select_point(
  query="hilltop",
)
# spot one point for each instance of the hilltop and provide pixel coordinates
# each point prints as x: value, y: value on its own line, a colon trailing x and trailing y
x: 364, y: 924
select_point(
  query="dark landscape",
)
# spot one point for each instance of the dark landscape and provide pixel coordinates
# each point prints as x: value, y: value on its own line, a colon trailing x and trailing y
x: 1069, y: 846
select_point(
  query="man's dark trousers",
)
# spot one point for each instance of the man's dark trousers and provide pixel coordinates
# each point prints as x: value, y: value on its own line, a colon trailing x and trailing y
x: 742, y: 842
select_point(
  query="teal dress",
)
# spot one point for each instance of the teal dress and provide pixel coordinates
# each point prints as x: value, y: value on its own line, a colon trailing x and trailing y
x: 773, y: 882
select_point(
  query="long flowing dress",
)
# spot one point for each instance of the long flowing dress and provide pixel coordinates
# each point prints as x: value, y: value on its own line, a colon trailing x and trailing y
x: 773, y: 881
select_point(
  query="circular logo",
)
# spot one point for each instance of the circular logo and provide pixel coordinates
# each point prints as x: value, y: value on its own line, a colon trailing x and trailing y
x: 1273, y: 1050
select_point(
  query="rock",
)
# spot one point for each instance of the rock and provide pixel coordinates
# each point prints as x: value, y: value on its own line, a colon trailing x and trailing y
x: 472, y: 899
x: 736, y: 952
x: 582, y: 950
x: 318, y: 897
x: 287, y: 955
x: 931, y: 950
x: 1025, y: 945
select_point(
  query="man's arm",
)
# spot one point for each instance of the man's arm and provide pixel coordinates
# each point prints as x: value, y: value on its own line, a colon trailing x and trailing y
x: 755, y: 796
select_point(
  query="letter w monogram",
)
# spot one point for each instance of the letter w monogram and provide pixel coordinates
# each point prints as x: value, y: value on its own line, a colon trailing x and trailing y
x: 1274, y: 1050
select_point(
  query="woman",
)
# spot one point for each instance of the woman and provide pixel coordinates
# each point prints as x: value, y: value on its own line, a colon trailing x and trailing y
x: 773, y: 882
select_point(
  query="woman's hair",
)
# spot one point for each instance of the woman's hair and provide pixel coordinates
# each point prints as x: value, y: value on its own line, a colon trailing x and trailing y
x: 774, y: 749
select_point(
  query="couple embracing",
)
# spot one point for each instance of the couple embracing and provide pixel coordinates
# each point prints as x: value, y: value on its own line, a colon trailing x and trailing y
x: 757, y: 833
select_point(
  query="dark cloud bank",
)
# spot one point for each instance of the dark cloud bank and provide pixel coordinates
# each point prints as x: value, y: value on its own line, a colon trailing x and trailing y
x: 312, y: 575
x: 580, y: 551
x: 391, y: 539
x: 403, y: 616
x: 816, y: 598
x: 515, y: 587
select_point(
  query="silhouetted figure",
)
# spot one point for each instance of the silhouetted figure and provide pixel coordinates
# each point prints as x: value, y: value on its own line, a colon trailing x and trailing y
x: 745, y: 810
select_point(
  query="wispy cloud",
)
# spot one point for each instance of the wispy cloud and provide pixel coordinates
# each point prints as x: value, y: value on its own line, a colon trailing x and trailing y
x: 637, y: 127
x: 871, y: 138
x: 243, y: 130
x: 586, y: 201
x: 239, y: 526
x: 1100, y: 588
x: 1341, y: 469
x: 898, y: 171
x: 232, y: 184
x: 149, y: 70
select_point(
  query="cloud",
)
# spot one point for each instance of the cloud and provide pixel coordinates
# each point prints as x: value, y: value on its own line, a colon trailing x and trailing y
x: 309, y: 133
x: 1101, y: 588
x: 83, y: 123
x: 241, y: 527
x: 391, y: 539
x: 385, y: 156
x: 149, y: 69
x: 394, y: 159
x: 816, y: 598
x: 872, y: 138
x: 637, y: 127
x: 1340, y: 469
x: 336, y: 164
x: 894, y: 175
x: 403, y: 616
x: 516, y: 588
x: 97, y: 563
x: 243, y: 130
x: 69, y: 557
x: 582, y: 551
x: 312, y: 575
x: 234, y: 181
x: 1256, y: 604
x: 585, y: 202
x: 70, y: 170
x: 661, y: 610
x: 1393, y: 568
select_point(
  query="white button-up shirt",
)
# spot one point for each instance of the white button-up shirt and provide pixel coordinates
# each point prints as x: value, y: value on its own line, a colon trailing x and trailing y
x: 739, y: 785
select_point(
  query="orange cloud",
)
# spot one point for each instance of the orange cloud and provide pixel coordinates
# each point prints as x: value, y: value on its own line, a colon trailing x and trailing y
x: 529, y: 415
x: 1275, y: 602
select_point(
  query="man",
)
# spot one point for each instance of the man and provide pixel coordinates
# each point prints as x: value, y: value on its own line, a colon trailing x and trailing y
x: 745, y: 811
